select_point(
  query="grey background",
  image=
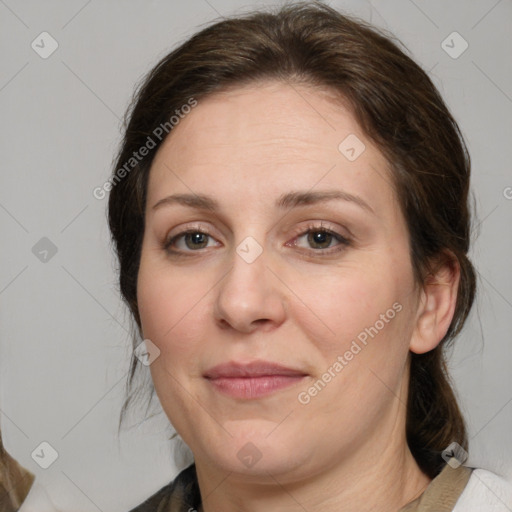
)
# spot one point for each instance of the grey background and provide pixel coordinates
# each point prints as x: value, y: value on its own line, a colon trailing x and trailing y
x: 64, y: 332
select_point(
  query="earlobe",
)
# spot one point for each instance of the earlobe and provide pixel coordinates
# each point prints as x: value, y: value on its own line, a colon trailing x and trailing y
x: 436, y: 305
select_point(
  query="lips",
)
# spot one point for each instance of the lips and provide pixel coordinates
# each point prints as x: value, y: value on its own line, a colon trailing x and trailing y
x: 252, y: 380
x: 255, y: 369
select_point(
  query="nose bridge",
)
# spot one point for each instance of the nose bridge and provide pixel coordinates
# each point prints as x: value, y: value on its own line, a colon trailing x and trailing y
x: 248, y: 294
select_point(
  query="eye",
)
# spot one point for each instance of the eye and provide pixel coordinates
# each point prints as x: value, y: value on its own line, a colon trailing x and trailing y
x: 190, y: 240
x: 319, y: 239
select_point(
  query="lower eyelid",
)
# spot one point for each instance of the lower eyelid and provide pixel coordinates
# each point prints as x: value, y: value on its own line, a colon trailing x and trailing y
x: 340, y: 246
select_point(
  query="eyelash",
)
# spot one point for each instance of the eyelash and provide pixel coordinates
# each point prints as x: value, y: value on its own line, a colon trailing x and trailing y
x: 343, y: 241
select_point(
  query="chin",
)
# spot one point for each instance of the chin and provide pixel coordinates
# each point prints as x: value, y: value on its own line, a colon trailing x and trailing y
x: 255, y: 449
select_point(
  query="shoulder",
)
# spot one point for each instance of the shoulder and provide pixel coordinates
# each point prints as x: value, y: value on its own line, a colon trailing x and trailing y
x: 37, y: 500
x: 180, y: 495
x: 487, y: 491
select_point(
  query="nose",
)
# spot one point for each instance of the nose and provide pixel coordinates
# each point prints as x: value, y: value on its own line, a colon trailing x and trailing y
x: 250, y: 297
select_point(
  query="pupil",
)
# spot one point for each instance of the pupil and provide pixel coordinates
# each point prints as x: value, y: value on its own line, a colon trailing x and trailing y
x: 321, y: 238
x: 195, y: 240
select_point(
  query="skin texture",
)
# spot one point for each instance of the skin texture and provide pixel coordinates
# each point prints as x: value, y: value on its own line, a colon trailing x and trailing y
x: 345, y: 449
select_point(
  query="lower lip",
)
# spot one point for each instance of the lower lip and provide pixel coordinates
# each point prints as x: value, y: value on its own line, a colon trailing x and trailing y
x: 254, y: 387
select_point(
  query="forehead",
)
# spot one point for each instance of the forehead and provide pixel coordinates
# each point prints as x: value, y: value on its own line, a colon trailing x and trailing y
x: 268, y: 138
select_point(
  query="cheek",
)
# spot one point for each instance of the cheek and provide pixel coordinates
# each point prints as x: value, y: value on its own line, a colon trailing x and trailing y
x: 343, y: 306
x: 173, y: 317
x: 370, y: 318
x: 361, y: 357
x: 172, y: 311
x: 362, y: 354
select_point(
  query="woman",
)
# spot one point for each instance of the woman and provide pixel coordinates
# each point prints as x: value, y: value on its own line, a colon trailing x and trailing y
x: 20, y: 490
x: 15, y: 481
x: 295, y: 256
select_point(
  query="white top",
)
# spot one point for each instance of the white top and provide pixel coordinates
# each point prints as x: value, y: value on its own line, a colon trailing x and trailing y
x: 485, y: 492
x: 37, y: 500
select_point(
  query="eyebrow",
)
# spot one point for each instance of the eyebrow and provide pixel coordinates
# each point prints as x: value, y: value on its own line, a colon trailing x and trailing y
x: 288, y: 200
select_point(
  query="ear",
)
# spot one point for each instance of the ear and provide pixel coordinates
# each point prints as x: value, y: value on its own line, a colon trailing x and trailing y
x: 436, y: 305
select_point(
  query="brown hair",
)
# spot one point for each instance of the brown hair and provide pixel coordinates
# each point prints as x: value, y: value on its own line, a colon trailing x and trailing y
x: 399, y: 109
x: 15, y: 481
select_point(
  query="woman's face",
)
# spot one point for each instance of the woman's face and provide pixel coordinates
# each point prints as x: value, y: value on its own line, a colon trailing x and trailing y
x: 284, y: 316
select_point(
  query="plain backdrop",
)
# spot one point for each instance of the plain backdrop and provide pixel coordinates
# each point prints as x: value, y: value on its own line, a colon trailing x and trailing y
x: 65, y: 343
